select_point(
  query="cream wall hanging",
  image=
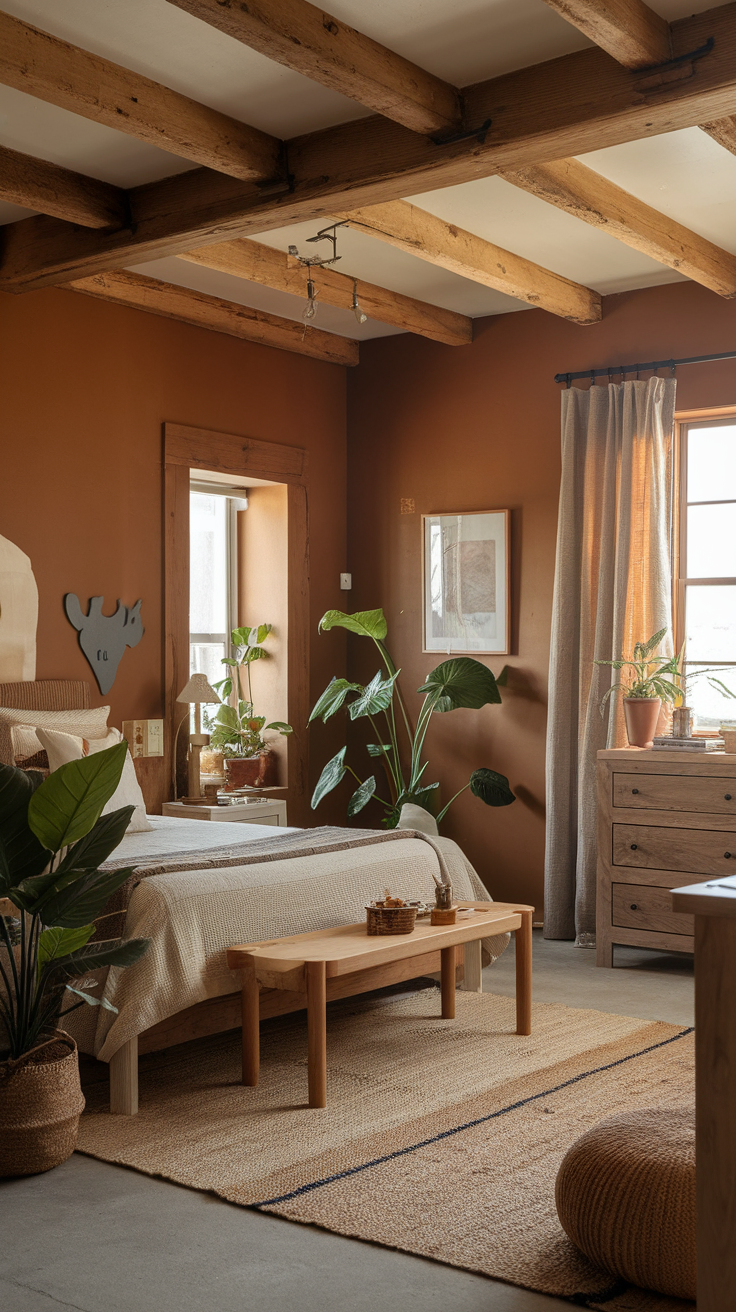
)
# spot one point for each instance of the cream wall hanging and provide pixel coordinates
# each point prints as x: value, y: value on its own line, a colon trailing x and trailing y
x: 18, y: 615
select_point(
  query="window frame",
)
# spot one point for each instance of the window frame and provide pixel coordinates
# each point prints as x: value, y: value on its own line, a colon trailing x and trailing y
x: 722, y: 416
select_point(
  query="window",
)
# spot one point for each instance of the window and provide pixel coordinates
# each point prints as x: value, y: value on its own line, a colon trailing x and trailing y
x: 213, y: 581
x: 706, y: 593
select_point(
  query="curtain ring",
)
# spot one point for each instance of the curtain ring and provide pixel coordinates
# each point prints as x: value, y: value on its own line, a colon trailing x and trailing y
x: 568, y: 381
x: 592, y: 377
x: 673, y: 368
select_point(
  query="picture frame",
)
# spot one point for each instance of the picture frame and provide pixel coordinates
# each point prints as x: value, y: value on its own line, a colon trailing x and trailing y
x: 465, y: 583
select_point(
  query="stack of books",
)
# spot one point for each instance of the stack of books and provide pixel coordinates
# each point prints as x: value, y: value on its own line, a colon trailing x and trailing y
x: 667, y: 743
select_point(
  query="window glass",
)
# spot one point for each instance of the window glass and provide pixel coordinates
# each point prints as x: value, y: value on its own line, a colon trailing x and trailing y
x: 711, y: 541
x: 712, y: 707
x: 710, y: 622
x: 208, y: 552
x: 711, y: 463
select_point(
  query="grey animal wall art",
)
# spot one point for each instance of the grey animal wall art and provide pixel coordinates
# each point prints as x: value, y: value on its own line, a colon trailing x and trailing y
x: 103, y: 638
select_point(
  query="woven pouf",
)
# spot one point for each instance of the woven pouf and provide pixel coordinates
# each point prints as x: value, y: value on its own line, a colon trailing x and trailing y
x: 625, y: 1195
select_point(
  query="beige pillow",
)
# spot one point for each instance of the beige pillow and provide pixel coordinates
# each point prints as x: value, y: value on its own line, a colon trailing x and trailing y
x: 87, y: 723
x: 64, y: 747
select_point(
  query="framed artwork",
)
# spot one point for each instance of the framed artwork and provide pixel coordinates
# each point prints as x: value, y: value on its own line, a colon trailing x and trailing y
x: 466, y: 582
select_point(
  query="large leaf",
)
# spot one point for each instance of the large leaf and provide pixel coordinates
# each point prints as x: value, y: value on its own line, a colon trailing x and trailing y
x: 227, y: 716
x: 332, y: 699
x: 21, y: 853
x: 419, y: 796
x: 378, y: 749
x: 362, y: 796
x: 375, y: 697
x: 642, y: 650
x: 70, y: 801
x: 87, y: 997
x: 112, y: 952
x: 83, y: 896
x: 330, y: 777
x: 57, y: 942
x: 368, y: 623
x: 491, y: 787
x: 32, y: 893
x: 460, y: 682
x: 280, y: 726
x: 97, y: 845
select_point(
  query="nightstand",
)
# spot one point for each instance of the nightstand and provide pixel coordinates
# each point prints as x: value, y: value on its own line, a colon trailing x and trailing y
x: 258, y: 812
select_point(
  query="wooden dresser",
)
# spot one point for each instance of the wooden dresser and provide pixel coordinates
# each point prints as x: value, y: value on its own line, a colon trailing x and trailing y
x: 665, y: 820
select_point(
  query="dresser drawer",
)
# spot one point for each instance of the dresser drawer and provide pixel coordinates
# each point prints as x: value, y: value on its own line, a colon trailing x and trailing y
x: 694, y: 851
x: 640, y: 906
x: 675, y: 792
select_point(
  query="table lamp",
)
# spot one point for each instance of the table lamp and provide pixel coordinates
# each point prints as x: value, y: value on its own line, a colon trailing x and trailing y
x: 196, y: 692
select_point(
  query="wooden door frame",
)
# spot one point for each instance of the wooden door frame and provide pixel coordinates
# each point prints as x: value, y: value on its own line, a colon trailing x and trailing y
x: 229, y: 453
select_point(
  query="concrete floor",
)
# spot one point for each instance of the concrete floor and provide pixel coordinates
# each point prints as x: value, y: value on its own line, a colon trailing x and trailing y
x: 100, y: 1238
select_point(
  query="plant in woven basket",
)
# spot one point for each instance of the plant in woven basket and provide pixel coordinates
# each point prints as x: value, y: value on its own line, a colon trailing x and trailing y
x: 456, y: 683
x: 53, y: 838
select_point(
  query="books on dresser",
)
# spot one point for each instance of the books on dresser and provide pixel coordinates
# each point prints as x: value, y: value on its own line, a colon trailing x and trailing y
x: 666, y: 743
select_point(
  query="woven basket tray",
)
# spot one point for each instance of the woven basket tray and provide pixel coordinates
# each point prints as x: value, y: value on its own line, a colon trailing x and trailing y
x: 391, y: 920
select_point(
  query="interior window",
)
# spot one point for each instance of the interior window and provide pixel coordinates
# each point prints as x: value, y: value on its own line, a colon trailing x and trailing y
x: 707, y: 576
x: 212, y: 577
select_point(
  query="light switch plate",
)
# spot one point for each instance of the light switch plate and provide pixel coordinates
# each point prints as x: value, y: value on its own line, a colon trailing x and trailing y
x: 346, y: 582
x: 146, y: 737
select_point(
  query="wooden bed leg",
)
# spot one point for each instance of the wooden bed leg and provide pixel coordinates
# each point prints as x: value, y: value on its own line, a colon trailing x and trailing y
x: 251, y: 1033
x: 317, y: 1032
x: 473, y: 977
x: 523, y: 938
x: 447, y: 983
x: 124, y: 1079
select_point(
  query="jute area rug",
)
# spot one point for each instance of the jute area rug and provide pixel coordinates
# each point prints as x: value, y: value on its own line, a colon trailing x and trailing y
x: 440, y: 1138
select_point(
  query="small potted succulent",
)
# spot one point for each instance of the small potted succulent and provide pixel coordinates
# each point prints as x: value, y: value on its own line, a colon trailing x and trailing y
x: 236, y: 730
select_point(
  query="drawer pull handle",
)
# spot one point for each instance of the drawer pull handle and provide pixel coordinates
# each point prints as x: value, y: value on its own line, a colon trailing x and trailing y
x: 634, y: 907
x: 634, y: 846
x: 635, y: 791
x: 727, y: 855
x: 727, y: 797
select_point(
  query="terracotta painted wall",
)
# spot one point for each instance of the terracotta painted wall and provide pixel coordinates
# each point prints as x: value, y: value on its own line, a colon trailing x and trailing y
x: 84, y: 389
x: 475, y: 428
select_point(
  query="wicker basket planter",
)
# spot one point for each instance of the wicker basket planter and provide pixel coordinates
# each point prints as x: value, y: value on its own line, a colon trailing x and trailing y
x: 40, y: 1104
x: 391, y: 920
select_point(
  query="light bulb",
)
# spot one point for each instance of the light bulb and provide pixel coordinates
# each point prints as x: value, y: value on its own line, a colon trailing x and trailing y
x: 360, y: 316
x: 311, y: 307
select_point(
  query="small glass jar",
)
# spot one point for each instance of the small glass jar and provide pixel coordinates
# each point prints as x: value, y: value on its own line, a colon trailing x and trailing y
x: 443, y: 898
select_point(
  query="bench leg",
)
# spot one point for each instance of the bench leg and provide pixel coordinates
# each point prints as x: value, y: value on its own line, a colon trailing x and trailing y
x: 473, y: 976
x: 447, y: 983
x: 124, y: 1079
x: 317, y: 1032
x: 524, y: 974
x: 251, y: 1036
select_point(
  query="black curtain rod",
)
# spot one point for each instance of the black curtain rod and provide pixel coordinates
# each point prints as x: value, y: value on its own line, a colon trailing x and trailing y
x: 624, y: 369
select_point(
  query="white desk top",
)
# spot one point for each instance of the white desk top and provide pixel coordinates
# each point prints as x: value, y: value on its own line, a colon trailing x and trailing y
x: 707, y: 899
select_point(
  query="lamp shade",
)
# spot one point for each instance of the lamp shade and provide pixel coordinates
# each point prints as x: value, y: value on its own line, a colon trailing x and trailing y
x: 198, y: 690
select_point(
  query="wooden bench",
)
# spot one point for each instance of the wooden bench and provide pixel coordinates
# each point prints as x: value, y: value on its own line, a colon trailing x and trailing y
x: 320, y: 965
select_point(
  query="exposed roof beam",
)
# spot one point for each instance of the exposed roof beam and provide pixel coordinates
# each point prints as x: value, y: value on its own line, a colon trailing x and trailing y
x: 309, y: 41
x: 723, y: 130
x: 53, y: 70
x: 578, y: 103
x: 628, y: 29
x: 272, y: 268
x: 51, y: 189
x: 422, y: 234
x: 587, y: 195
x: 202, y: 311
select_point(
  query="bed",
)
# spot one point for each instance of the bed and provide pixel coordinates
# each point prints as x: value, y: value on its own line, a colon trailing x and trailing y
x: 208, y: 890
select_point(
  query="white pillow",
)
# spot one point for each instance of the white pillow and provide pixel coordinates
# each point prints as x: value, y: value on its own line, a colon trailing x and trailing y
x: 88, y: 722
x: 414, y: 817
x: 64, y: 747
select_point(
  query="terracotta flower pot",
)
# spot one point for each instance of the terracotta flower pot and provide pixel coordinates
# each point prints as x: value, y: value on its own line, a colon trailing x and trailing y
x: 40, y: 1104
x: 641, y: 715
x: 250, y: 771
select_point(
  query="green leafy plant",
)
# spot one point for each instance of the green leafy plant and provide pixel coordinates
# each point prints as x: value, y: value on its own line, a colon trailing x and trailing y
x: 53, y: 837
x: 456, y: 683
x: 235, y: 729
x: 657, y: 676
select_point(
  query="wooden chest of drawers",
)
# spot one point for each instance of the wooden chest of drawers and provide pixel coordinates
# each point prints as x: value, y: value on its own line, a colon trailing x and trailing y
x: 665, y: 820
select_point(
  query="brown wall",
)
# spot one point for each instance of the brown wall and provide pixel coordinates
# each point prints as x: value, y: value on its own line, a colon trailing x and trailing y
x: 85, y: 388
x: 476, y: 428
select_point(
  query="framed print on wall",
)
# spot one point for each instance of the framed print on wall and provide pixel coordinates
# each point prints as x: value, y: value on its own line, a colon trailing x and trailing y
x: 466, y: 582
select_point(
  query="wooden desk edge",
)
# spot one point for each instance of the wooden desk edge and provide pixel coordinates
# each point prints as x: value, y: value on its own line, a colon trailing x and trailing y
x: 698, y: 900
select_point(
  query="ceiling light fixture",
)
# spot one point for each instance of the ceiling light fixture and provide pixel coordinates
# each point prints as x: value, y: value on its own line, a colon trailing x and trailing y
x: 360, y: 316
x: 311, y: 306
x: 322, y: 261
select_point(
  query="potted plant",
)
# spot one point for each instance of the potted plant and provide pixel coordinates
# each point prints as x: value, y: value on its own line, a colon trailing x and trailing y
x: 53, y: 837
x: 236, y: 730
x: 456, y: 683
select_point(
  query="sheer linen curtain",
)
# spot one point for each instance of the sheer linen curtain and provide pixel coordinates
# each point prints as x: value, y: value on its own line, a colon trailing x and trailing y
x: 613, y: 587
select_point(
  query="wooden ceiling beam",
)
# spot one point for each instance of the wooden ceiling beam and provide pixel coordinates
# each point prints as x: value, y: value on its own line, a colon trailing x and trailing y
x: 139, y: 292
x: 580, y: 191
x: 51, y: 189
x: 627, y: 29
x: 723, y: 130
x: 568, y: 106
x: 418, y: 233
x: 309, y: 41
x: 272, y: 268
x: 62, y: 74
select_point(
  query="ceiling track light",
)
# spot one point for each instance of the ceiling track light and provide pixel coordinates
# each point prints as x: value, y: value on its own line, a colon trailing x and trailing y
x: 355, y: 307
x: 319, y: 261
